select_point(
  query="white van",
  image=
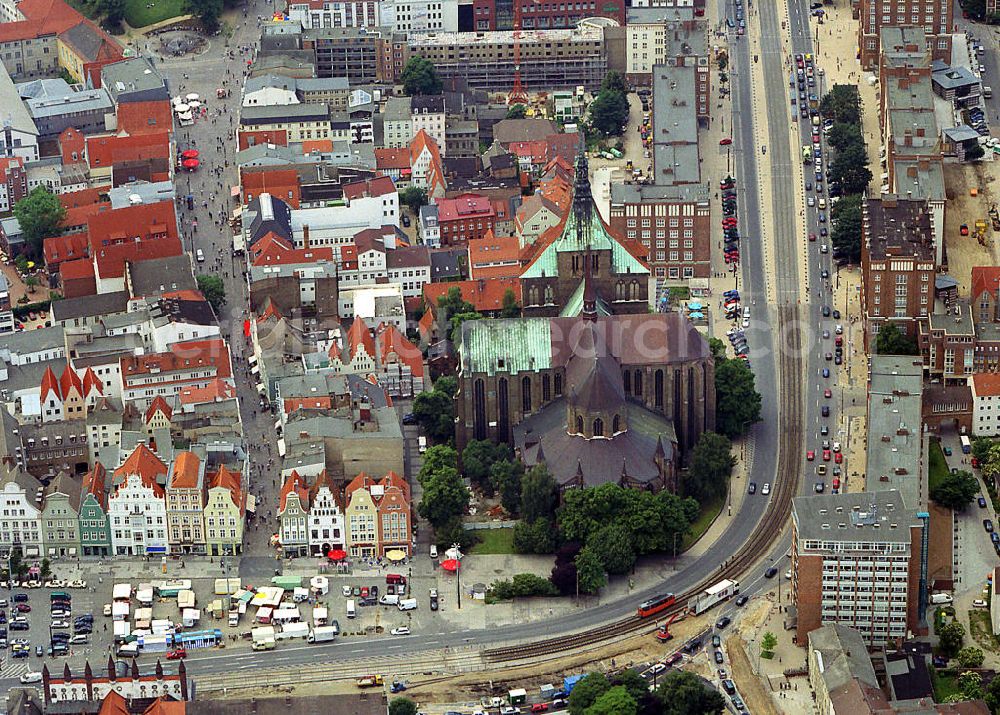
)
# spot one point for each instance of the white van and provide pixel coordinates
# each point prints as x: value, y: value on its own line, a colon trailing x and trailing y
x: 351, y: 610
x: 389, y: 599
x: 421, y: 444
x: 200, y: 255
x: 434, y: 551
x: 941, y: 598
x: 407, y: 604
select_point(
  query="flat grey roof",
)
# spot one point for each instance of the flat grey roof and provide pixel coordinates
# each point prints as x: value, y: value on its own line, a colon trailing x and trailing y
x: 143, y: 192
x: 916, y: 179
x: 292, y: 112
x: 54, y: 100
x: 895, y: 449
x: 954, y: 77
x: 675, y: 125
x: 30, y: 341
x: 131, y: 75
x: 634, y: 193
x: 854, y: 517
x: 90, y: 306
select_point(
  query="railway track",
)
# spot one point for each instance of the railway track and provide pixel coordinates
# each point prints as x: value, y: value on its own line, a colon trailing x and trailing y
x: 767, y: 531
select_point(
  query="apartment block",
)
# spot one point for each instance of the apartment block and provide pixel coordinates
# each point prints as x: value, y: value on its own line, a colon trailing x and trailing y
x: 855, y: 562
x: 935, y: 16
x: 897, y: 264
x: 500, y: 14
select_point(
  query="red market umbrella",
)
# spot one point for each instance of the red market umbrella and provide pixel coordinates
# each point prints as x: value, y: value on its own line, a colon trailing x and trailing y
x: 450, y: 564
x: 189, y: 154
x: 190, y: 163
x: 336, y: 555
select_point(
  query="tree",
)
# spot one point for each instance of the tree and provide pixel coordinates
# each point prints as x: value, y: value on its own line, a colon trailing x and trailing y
x: 843, y: 135
x: 613, y: 544
x: 849, y: 168
x: 981, y: 447
x: 590, y: 571
x: 539, y: 494
x: 214, y: 290
x: 846, y: 234
x: 892, y: 341
x: 950, y: 638
x: 712, y: 463
x: 992, y: 695
x: 413, y: 197
x: 506, y: 478
x: 434, y: 412
x: 971, y: 685
x: 45, y: 569
x: 534, y: 537
x: 510, y: 307
x: 609, y: 113
x: 444, y: 498
x: 617, y: 701
x: 768, y: 643
x: 614, y: 81
x: 208, y: 12
x: 955, y: 491
x: 452, y: 303
x: 634, y: 683
x: 718, y: 349
x: 438, y: 457
x: 737, y: 402
x: 40, y: 215
x: 455, y: 322
x: 970, y: 657
x: 114, y: 14
x: 563, y: 577
x: 420, y: 77
x: 402, y: 706
x: 478, y: 458
x: 517, y: 111
x: 681, y: 692
x: 974, y: 152
x: 31, y: 282
x: 586, y: 692
x: 454, y: 532
x: 842, y: 104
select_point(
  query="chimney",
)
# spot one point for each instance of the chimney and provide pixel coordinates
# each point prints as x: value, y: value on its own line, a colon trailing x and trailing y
x: 305, y: 237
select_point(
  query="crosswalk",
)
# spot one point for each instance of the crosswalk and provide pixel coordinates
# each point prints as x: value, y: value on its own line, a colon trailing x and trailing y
x: 15, y: 667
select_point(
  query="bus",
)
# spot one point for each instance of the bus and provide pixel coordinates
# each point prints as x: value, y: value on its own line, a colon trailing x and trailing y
x: 655, y: 605
x: 966, y: 444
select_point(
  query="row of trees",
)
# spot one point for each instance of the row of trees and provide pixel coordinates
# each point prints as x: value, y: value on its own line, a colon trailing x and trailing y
x: 627, y: 693
x: 849, y: 168
x: 737, y: 402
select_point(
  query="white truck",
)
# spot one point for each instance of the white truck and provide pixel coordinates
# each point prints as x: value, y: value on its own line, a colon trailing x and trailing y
x: 262, y: 638
x: 714, y: 595
x: 407, y: 604
x: 293, y: 630
x: 322, y: 634
x: 320, y: 616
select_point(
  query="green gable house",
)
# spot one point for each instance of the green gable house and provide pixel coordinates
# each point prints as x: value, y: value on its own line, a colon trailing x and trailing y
x: 60, y: 517
x: 95, y: 534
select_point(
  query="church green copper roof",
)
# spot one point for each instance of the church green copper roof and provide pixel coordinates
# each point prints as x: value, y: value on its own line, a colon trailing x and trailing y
x: 506, y: 346
x: 599, y: 240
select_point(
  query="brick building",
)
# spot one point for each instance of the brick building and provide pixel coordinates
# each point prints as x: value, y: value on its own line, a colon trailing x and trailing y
x: 465, y: 218
x: 935, y: 16
x: 897, y: 264
x: 500, y: 14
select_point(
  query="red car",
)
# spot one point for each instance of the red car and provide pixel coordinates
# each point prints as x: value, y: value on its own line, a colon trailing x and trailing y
x: 722, y: 142
x: 177, y: 654
x: 826, y: 455
x: 540, y: 708
x: 729, y: 222
x: 812, y: 236
x: 810, y: 455
x: 364, y: 592
x: 836, y: 483
x: 838, y: 458
x: 827, y: 393
x: 22, y: 608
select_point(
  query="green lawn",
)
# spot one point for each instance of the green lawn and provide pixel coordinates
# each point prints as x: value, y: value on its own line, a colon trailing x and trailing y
x: 494, y: 541
x: 138, y: 15
x: 701, y: 524
x: 938, y: 467
x: 981, y: 630
x: 944, y: 683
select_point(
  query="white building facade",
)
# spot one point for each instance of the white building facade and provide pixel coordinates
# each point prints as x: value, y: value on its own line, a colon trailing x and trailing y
x: 137, y: 514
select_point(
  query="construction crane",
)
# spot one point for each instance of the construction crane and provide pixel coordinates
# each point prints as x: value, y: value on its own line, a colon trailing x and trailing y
x: 517, y: 94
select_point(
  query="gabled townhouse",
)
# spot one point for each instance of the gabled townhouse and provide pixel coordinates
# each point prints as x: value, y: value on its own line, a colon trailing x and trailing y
x: 69, y: 397
x: 184, y: 493
x: 137, y: 511
x: 326, y: 517
x: 225, y: 510
x: 378, y: 516
x: 61, y: 517
x: 380, y: 188
x: 293, y: 512
x: 21, y: 512
x: 361, y: 516
x: 426, y: 166
x: 394, y: 515
x: 95, y: 533
x: 157, y: 415
x: 494, y: 257
x: 428, y: 114
x: 189, y: 364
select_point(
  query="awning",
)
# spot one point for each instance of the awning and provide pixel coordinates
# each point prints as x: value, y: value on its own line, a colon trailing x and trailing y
x: 255, y: 370
x: 251, y: 360
x: 156, y: 549
x: 234, y: 191
x: 281, y: 448
x: 251, y: 503
x: 395, y: 555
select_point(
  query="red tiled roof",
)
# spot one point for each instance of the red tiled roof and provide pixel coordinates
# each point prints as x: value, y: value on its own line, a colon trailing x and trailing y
x: 294, y: 483
x: 83, y: 197
x: 986, y: 383
x: 93, y: 483
x: 69, y: 380
x: 360, y: 336
x: 392, y: 342
x: 147, y: 465
x: 105, y: 151
x: 323, y: 146
x: 267, y: 241
x: 985, y: 278
x: 279, y: 256
x: 132, y: 233
x: 76, y: 269
x: 536, y: 152
x: 379, y: 186
x: 278, y: 137
x: 42, y: 17
x: 394, y: 480
x: 72, y: 140
x: 392, y: 158
x: 186, y: 468
x: 157, y: 405
x: 80, y: 215
x: 494, y: 258
x: 113, y: 704
x: 64, y: 248
x: 215, y: 391
x: 50, y: 383
x: 136, y: 118
x: 228, y: 480
x: 111, y: 260
x: 188, y: 295
x: 193, y: 353
x: 281, y: 183
x: 362, y: 481
x: 92, y: 383
x: 323, y: 402
x: 422, y: 141
x: 464, y: 206
x: 484, y: 295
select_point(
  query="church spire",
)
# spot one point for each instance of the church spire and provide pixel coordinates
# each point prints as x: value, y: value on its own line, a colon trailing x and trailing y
x: 583, y: 202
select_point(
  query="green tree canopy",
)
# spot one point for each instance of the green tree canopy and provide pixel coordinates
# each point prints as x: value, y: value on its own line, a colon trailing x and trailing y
x: 586, y: 692
x: 510, y: 307
x: 971, y: 685
x: 402, y: 706
x: 214, y: 290
x: 849, y: 168
x: 420, y: 77
x: 613, y: 544
x: 413, y: 197
x: 40, y: 215
x: 892, y: 341
x: 455, y: 323
x: 843, y: 135
x: 478, y: 458
x: 712, y: 463
x: 454, y: 532
x: 437, y: 458
x: 970, y: 657
x: 539, y: 494
x: 992, y: 695
x: 609, y: 113
x: 846, y: 234
x: 955, y: 491
x: 614, y: 81
x: 681, y: 692
x: 842, y: 104
x: 617, y: 701
x: 445, y: 496
x: 435, y: 413
x: 951, y: 636
x: 517, y: 111
x: 768, y: 642
x: 453, y: 303
x: 718, y: 349
x: 635, y: 684
x: 208, y: 12
x: 506, y: 478
x: 737, y: 402
x: 590, y: 571
x: 534, y: 537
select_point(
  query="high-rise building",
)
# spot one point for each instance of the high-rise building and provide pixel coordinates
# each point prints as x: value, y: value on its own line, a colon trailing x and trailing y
x: 856, y: 562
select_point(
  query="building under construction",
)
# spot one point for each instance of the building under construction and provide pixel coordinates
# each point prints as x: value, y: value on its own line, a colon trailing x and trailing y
x: 549, y: 59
